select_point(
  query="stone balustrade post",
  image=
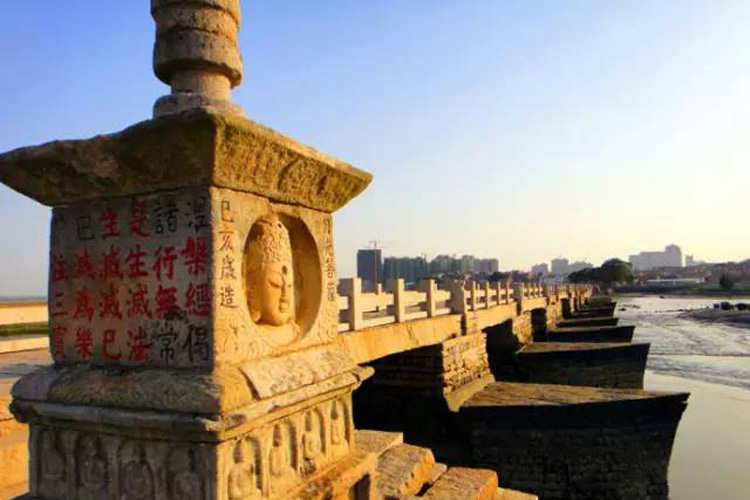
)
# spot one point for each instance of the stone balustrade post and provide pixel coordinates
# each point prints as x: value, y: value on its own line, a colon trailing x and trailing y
x: 487, y: 290
x: 458, y: 297
x: 429, y: 287
x: 352, y: 289
x: 508, y: 297
x: 473, y: 289
x: 379, y: 291
x: 397, y: 288
x: 518, y: 295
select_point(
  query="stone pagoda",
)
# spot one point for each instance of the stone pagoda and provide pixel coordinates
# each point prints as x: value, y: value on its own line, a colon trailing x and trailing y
x: 192, y: 297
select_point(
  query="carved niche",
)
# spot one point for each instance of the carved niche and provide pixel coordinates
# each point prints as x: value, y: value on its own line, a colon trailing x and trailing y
x: 246, y: 475
x: 52, y: 465
x: 136, y: 476
x: 184, y: 475
x: 92, y: 469
x: 340, y: 428
x: 314, y: 445
x: 282, y: 278
x: 283, y: 456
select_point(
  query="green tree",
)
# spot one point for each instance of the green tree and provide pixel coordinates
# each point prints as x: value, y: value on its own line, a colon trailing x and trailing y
x: 726, y: 282
x: 611, y: 271
x: 616, y: 271
x: 583, y: 276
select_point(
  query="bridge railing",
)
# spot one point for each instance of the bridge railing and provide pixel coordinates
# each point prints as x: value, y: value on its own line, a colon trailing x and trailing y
x: 360, y: 308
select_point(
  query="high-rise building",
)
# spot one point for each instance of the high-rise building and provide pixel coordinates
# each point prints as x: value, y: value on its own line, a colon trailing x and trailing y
x: 486, y: 266
x: 467, y: 264
x: 370, y: 265
x: 411, y: 269
x: 670, y: 257
x: 560, y: 267
x: 540, y: 270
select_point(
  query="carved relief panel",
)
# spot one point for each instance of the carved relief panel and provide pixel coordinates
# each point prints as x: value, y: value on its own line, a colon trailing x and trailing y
x: 273, y: 267
x: 262, y: 463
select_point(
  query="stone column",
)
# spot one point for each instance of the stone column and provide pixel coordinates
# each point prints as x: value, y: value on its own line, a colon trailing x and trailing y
x: 192, y: 298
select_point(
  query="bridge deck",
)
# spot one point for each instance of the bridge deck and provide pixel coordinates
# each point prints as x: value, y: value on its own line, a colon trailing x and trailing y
x: 520, y: 395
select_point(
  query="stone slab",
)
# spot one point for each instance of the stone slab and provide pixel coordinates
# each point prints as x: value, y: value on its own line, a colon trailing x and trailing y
x: 517, y: 396
x: 377, y: 442
x: 464, y: 484
x: 622, y: 333
x: 506, y: 494
x: 195, y: 148
x: 596, y: 364
x: 403, y: 470
x: 370, y: 344
x: 552, y: 348
x: 573, y: 323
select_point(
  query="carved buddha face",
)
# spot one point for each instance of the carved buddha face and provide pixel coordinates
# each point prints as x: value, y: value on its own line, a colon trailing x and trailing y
x: 277, y: 290
x: 270, y: 273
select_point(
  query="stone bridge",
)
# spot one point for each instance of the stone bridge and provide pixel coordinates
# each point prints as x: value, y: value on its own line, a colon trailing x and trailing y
x: 381, y: 322
x: 199, y: 350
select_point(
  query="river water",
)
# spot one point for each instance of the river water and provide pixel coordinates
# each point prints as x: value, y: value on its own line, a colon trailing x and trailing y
x: 712, y: 352
x: 711, y: 454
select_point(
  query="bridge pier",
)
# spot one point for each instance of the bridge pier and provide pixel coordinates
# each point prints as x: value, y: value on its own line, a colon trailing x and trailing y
x: 557, y: 441
x: 622, y: 333
x: 563, y: 442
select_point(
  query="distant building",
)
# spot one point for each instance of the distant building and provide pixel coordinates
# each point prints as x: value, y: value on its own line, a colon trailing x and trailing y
x: 579, y: 266
x: 690, y: 261
x: 560, y: 267
x: 443, y: 264
x: 486, y: 266
x: 467, y: 264
x: 540, y: 270
x: 411, y: 269
x: 670, y: 257
x: 370, y: 265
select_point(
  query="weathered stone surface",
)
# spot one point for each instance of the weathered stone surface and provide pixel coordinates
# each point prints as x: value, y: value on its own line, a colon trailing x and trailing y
x: 193, y: 329
x: 349, y: 478
x: 561, y: 441
x: 403, y: 470
x: 462, y: 483
x: 622, y: 333
x: 197, y: 54
x: 186, y: 150
x: 506, y: 494
x: 574, y: 323
x: 596, y: 364
x: 439, y: 369
x: 376, y: 442
x: 370, y: 344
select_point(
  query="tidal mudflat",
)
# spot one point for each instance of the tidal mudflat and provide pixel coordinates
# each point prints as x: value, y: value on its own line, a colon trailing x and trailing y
x: 712, y: 362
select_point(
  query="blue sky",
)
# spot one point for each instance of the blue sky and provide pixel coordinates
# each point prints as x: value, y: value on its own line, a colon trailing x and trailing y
x: 520, y: 130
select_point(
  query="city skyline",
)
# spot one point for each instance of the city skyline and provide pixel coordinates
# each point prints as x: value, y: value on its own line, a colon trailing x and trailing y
x: 534, y: 126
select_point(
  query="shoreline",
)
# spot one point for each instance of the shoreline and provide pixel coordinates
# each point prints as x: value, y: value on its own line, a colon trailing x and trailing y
x: 740, y: 319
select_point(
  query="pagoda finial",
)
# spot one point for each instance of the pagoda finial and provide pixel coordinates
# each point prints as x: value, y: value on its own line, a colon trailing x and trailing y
x: 196, y: 53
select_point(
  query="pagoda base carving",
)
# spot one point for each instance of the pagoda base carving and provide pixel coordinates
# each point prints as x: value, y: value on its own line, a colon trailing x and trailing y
x: 302, y: 451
